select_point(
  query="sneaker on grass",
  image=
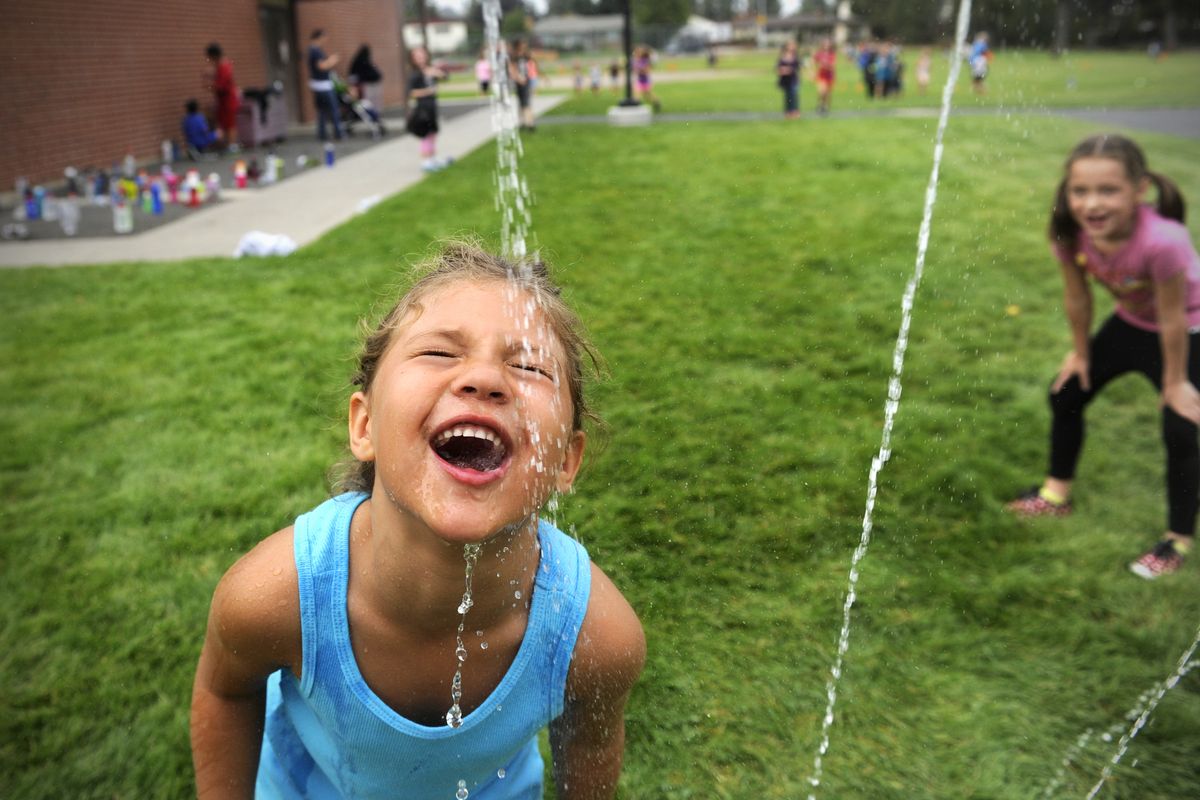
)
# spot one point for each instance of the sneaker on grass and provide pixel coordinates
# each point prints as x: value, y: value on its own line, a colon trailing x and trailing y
x: 1034, y: 503
x: 1162, y: 559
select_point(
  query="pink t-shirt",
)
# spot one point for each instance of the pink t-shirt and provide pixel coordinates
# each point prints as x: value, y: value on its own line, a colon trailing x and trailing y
x: 1159, y: 249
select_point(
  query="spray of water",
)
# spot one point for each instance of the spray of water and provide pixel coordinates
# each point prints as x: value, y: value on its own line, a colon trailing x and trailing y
x: 1142, y: 712
x: 1079, y: 747
x: 512, y: 192
x: 513, y: 204
x: 454, y: 716
x: 893, y: 402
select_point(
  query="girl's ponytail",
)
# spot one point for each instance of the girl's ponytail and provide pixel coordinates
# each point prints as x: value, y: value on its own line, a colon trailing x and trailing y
x: 1170, y: 200
x: 1063, y: 230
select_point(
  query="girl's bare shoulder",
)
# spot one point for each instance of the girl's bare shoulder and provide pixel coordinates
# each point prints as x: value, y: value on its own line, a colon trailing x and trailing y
x: 256, y: 606
x: 611, y: 648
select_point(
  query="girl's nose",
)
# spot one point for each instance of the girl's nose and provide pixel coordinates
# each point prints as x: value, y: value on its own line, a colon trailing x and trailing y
x: 482, y: 380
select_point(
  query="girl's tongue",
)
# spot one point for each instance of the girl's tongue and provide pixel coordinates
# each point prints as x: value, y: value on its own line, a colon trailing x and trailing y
x: 470, y: 447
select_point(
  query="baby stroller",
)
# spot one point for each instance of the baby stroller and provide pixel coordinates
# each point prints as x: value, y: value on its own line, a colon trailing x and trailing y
x: 354, y: 111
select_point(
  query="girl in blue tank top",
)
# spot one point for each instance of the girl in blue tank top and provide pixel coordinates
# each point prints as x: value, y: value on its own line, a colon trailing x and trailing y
x: 411, y: 636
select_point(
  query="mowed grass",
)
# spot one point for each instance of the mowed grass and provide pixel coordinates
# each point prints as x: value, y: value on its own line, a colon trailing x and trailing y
x: 744, y: 285
x: 1019, y: 80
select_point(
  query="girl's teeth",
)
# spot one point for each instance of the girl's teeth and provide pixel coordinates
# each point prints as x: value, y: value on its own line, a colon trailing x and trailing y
x: 467, y: 430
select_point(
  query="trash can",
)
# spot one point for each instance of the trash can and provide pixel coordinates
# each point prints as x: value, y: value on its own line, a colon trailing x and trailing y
x: 262, y: 116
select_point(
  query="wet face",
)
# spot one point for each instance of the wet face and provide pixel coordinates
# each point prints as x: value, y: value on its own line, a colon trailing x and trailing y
x: 469, y: 415
x: 1102, y: 199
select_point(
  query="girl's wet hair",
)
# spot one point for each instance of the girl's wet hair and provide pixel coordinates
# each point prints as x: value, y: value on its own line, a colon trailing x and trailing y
x: 466, y: 261
x: 1064, y: 230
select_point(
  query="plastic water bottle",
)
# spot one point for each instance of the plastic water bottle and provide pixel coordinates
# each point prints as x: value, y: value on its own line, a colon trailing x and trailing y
x: 271, y: 173
x: 68, y: 215
x: 122, y: 213
x: 329, y: 154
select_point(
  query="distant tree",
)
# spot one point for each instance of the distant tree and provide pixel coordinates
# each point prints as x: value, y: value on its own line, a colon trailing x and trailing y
x: 1039, y: 23
x: 720, y: 10
x: 585, y: 7
x: 662, y: 12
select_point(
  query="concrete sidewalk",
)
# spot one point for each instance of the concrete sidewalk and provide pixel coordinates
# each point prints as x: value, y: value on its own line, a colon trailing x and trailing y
x: 302, y: 207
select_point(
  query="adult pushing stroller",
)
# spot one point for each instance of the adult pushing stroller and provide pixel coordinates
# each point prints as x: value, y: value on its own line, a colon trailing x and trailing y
x: 353, y: 110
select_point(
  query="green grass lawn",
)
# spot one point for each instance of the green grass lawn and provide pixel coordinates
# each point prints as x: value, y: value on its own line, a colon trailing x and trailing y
x: 1019, y: 79
x: 161, y: 418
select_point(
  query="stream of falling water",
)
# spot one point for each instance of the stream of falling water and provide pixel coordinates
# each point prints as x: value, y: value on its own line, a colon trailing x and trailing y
x: 512, y: 202
x: 1184, y: 665
x: 893, y: 402
x: 454, y: 715
x: 1084, y: 740
x: 512, y: 192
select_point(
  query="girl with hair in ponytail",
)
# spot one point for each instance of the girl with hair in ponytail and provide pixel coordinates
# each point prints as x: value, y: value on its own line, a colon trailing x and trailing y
x: 1101, y: 226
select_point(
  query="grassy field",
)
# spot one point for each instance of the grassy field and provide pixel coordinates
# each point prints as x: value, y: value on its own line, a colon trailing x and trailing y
x: 161, y: 418
x: 1020, y: 80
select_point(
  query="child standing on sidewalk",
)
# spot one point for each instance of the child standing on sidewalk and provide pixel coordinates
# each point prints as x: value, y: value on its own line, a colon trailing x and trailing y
x: 423, y: 114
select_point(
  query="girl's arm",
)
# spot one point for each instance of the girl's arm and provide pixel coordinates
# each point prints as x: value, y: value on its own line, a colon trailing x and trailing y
x: 1170, y: 298
x: 1077, y: 301
x: 253, y: 630
x: 588, y: 740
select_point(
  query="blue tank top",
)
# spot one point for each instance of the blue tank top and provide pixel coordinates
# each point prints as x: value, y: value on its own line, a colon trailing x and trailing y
x: 327, y: 735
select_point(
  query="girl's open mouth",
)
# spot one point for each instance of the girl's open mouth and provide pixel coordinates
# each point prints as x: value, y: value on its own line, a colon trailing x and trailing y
x: 471, y: 447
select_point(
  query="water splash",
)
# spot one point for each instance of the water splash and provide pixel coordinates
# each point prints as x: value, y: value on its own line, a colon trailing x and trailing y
x: 893, y: 402
x: 461, y: 793
x: 513, y: 200
x: 454, y: 716
x: 1141, y: 713
x: 1080, y: 746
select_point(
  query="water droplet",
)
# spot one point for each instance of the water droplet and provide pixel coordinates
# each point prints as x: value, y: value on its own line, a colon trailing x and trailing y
x: 483, y: 645
x: 462, y: 792
x: 454, y: 716
x: 500, y: 773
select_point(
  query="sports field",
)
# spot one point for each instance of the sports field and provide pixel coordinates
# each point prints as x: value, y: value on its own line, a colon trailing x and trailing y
x: 743, y: 281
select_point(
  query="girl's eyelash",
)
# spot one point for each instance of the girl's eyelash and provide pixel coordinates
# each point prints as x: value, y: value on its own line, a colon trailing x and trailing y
x: 444, y: 353
x: 534, y: 368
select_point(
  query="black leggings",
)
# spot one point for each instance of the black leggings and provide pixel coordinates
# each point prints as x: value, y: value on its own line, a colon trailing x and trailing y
x: 1117, y: 348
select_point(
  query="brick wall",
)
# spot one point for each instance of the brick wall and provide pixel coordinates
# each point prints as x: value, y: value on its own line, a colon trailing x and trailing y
x: 84, y: 82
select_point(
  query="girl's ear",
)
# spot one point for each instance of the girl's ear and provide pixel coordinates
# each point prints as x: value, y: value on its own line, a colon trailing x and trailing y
x: 360, y: 428
x: 1143, y: 187
x: 572, y: 461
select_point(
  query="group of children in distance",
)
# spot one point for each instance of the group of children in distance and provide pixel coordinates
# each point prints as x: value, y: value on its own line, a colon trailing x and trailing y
x: 326, y: 668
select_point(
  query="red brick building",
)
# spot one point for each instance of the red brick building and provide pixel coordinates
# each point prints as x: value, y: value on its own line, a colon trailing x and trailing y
x: 86, y: 81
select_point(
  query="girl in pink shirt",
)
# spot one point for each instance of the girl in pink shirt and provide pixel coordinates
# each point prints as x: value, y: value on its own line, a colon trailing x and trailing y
x: 1143, y: 256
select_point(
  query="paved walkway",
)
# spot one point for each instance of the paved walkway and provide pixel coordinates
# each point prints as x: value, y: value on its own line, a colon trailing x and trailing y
x: 302, y: 207
x: 1183, y: 122
x: 306, y: 206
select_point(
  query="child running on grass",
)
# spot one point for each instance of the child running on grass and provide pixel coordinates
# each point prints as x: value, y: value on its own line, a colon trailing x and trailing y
x: 1143, y: 255
x: 329, y: 666
x: 643, y: 62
